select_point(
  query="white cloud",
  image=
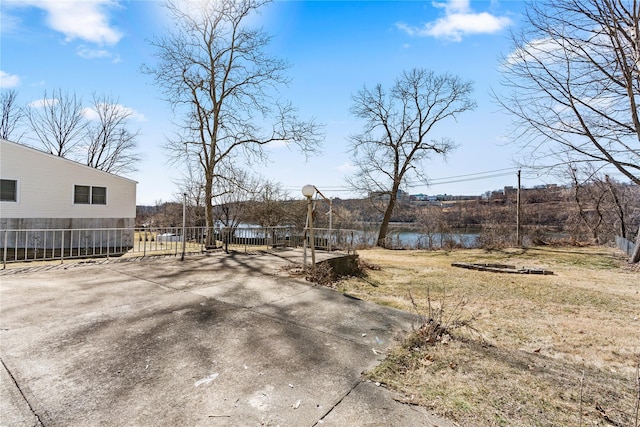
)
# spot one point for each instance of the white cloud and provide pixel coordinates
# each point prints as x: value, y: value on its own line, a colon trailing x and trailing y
x: 88, y: 53
x: 454, y: 6
x: 412, y: 31
x: 456, y: 25
x: 458, y: 21
x: 345, y: 168
x: 544, y: 50
x: 39, y: 103
x: 8, y: 80
x: 10, y: 23
x: 135, y: 115
x: 78, y: 19
x: 91, y: 114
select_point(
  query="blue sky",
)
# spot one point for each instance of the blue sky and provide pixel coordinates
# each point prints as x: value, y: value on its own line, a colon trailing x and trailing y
x: 334, y: 47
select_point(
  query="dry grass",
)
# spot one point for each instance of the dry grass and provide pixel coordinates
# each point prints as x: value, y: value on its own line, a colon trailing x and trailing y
x: 538, y: 335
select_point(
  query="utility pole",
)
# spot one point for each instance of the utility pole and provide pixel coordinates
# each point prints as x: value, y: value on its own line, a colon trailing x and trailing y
x: 330, y: 216
x: 518, y: 215
x: 184, y: 224
x: 309, y: 191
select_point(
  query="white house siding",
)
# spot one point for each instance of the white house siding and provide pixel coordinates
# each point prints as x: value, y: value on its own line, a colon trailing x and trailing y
x: 45, y: 193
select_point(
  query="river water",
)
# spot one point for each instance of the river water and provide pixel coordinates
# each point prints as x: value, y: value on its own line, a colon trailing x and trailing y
x: 396, y: 237
x: 412, y: 239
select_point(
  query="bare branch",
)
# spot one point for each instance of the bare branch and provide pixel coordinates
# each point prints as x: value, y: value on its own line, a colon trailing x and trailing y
x: 11, y: 115
x: 111, y: 146
x: 574, y: 78
x: 58, y: 122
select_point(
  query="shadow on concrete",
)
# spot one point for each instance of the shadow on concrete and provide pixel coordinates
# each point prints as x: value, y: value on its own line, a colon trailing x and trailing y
x: 210, y: 341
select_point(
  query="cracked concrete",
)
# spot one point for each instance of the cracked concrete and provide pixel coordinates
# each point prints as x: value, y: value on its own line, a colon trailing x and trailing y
x: 222, y: 340
x: 15, y: 408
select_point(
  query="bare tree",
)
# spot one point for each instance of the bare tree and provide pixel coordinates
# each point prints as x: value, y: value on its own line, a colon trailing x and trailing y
x: 590, y: 198
x: 391, y: 149
x: 603, y: 206
x: 11, y: 115
x: 618, y: 206
x: 270, y: 208
x: 431, y: 220
x: 58, y: 122
x: 192, y: 185
x: 234, y: 196
x: 574, y: 77
x: 215, y: 72
x: 111, y: 145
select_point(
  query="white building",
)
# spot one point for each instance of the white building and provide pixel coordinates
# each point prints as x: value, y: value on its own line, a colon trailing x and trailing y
x: 41, y: 191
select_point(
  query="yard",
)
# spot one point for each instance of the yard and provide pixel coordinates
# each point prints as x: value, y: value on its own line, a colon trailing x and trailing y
x: 513, y: 349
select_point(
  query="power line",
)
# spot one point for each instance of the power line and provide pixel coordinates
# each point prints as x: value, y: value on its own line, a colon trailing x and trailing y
x: 463, y: 180
x: 432, y: 182
x: 513, y: 169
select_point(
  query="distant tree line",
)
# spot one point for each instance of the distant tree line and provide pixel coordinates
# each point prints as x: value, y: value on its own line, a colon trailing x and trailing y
x: 591, y: 211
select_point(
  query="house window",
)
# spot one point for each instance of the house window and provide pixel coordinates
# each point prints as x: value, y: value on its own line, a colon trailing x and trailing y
x: 99, y: 195
x: 8, y: 190
x: 82, y: 195
x: 86, y: 195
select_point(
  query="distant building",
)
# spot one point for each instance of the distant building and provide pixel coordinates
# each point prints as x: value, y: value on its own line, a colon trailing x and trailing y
x: 382, y: 195
x: 510, y: 191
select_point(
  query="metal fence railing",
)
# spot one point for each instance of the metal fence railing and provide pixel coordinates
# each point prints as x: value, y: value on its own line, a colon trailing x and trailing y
x: 343, y: 240
x: 625, y: 245
x: 60, y: 244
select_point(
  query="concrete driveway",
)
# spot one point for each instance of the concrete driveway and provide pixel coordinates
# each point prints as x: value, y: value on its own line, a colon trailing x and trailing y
x: 218, y: 340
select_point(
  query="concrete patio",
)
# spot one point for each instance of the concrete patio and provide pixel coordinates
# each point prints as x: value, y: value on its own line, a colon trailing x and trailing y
x: 217, y: 340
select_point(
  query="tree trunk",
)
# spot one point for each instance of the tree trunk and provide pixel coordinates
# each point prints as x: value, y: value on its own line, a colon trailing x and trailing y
x: 618, y: 205
x: 635, y: 257
x: 384, y: 227
x: 208, y: 213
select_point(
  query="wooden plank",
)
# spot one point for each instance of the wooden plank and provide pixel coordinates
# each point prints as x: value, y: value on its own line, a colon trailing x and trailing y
x: 501, y: 268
